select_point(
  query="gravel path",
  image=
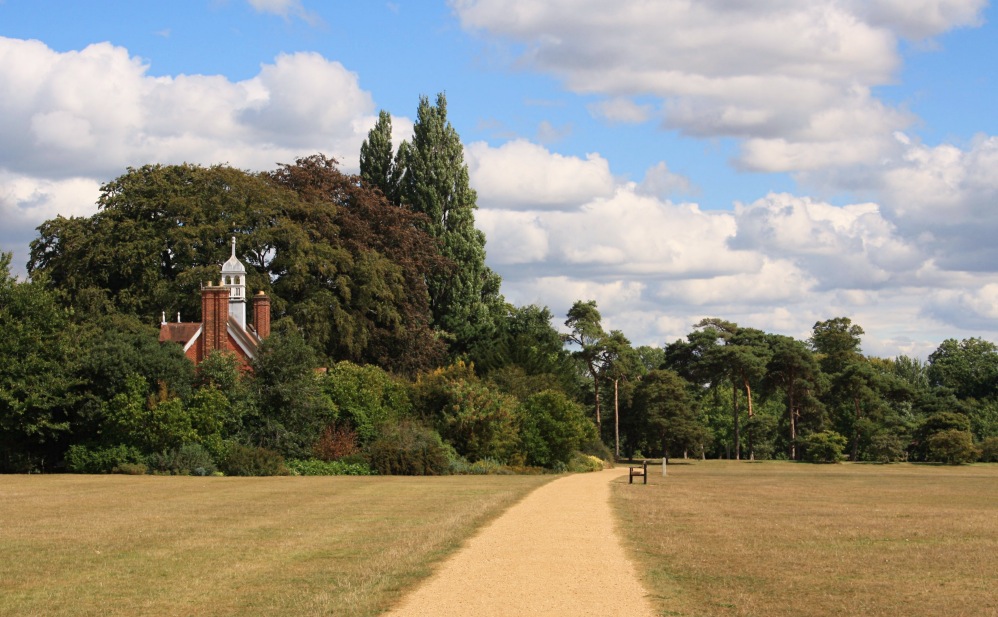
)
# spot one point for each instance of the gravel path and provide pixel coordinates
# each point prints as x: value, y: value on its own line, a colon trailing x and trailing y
x: 555, y: 553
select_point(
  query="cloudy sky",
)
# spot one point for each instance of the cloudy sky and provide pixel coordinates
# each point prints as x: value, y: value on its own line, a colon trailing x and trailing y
x: 770, y: 162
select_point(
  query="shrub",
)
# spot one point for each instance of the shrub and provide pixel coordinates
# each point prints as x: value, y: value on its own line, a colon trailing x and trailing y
x: 989, y: 450
x: 553, y: 427
x: 886, y: 447
x: 317, y: 467
x: 187, y: 460
x: 487, y: 466
x: 335, y: 443
x: 408, y: 449
x: 83, y: 459
x: 595, y: 447
x: 253, y: 461
x: 583, y: 463
x: 131, y: 469
x: 952, y: 447
x: 824, y: 447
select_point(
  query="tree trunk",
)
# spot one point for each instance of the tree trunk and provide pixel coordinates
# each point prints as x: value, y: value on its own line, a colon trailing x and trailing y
x: 855, y: 436
x: 793, y: 424
x: 734, y: 408
x: 748, y: 397
x: 616, y: 417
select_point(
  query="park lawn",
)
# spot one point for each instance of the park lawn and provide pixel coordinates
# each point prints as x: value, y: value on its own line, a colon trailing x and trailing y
x: 779, y: 539
x: 152, y: 545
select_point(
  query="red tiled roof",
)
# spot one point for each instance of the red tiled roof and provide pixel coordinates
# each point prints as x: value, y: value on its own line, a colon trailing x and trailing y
x: 178, y: 332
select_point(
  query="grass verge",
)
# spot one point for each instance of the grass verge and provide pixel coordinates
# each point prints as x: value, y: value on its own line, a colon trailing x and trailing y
x: 773, y: 539
x: 151, y: 545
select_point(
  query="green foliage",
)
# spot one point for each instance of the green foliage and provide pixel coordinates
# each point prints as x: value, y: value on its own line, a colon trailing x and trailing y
x: 243, y: 460
x: 952, y: 446
x: 553, y: 428
x: 477, y: 420
x: 989, y: 450
x: 886, y: 447
x: 666, y: 409
x: 465, y: 299
x: 149, y: 422
x: 292, y: 408
x: 488, y: 467
x: 969, y: 368
x: 96, y: 459
x: 367, y: 398
x: 408, y: 449
x: 823, y: 447
x: 37, y: 383
x: 188, y: 460
x: 316, y: 467
x: 584, y: 463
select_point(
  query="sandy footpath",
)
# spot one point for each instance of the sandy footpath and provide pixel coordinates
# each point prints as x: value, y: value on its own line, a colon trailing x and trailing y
x: 555, y: 553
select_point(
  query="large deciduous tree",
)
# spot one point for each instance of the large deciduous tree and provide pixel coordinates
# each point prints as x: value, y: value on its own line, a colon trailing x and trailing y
x: 337, y: 257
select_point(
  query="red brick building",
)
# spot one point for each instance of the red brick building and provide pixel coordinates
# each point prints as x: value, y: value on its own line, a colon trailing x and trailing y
x: 223, y: 323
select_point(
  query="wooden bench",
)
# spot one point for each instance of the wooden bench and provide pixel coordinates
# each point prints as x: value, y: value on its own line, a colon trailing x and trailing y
x: 638, y: 471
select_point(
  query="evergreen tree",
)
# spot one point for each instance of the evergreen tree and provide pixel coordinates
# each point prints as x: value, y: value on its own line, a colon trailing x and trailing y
x: 465, y: 301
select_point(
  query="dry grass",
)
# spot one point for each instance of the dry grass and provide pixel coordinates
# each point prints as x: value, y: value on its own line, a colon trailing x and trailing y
x: 773, y: 539
x: 126, y: 545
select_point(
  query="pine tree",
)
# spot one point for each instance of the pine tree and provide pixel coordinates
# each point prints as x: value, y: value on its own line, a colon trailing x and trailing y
x: 464, y: 302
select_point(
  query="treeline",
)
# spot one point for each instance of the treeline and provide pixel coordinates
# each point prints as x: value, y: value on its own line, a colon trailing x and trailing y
x: 393, y: 350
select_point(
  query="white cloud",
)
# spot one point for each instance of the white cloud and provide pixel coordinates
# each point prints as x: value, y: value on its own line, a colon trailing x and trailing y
x: 621, y: 109
x: 285, y: 9
x: 523, y: 175
x: 791, y: 78
x: 661, y: 182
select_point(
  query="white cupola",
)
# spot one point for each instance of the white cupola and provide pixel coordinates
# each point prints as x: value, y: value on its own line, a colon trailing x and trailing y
x: 234, y: 277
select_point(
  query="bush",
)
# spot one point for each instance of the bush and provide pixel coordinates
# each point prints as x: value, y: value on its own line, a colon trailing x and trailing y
x: 187, y: 460
x: 582, y: 463
x: 824, y: 447
x: 408, y: 449
x: 553, y: 427
x: 886, y: 447
x: 488, y: 467
x: 253, y: 461
x: 316, y: 467
x: 131, y: 469
x: 989, y: 450
x: 596, y: 447
x: 83, y: 459
x: 335, y: 443
x: 952, y: 447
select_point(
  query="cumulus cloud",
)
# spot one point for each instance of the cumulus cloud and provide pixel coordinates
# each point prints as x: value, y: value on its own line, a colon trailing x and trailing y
x: 70, y: 121
x: 521, y: 175
x: 793, y: 79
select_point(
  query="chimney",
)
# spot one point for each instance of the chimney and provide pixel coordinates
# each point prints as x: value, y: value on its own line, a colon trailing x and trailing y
x: 214, y: 317
x: 261, y: 315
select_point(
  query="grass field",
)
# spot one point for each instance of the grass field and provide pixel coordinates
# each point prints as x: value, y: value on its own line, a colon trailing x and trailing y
x: 773, y: 539
x: 146, y: 545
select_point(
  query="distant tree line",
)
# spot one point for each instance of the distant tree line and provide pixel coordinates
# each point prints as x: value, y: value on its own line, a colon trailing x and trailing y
x: 379, y: 281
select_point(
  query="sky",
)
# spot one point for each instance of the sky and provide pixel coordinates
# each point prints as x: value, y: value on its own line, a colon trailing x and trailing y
x: 774, y: 163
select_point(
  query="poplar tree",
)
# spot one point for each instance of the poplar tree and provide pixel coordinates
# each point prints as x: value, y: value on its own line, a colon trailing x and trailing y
x: 377, y: 165
x: 464, y: 302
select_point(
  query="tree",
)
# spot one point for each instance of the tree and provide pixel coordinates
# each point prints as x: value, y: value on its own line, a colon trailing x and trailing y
x: 377, y: 163
x: 586, y: 331
x: 969, y: 368
x: 338, y: 258
x: 554, y: 427
x: 661, y: 398
x: 465, y: 300
x: 292, y: 409
x: 37, y: 383
x: 794, y: 371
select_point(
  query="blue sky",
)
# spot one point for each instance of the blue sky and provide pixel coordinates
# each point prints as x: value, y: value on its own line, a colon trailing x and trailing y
x: 772, y: 163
